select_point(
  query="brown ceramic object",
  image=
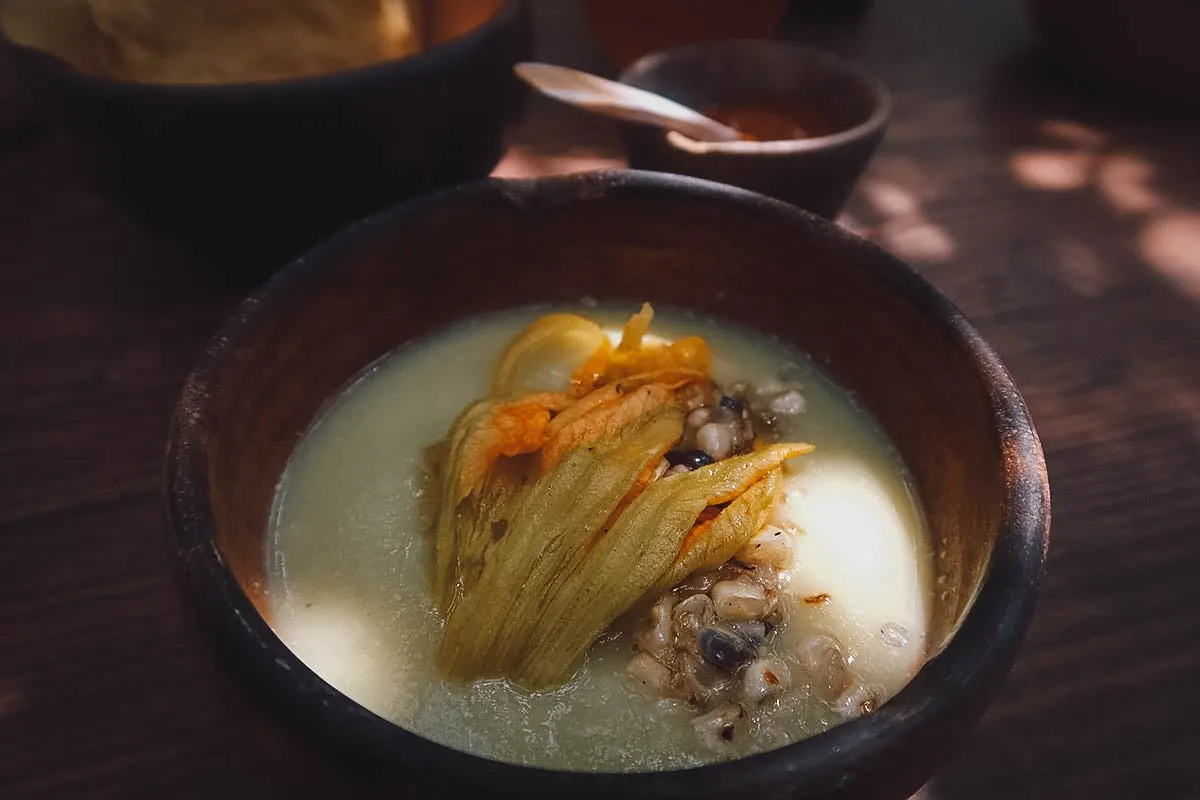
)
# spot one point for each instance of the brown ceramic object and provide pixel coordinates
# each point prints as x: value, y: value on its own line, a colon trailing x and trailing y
x: 815, y: 173
x: 1144, y: 48
x: 252, y: 174
x: 883, y: 332
x: 626, y: 30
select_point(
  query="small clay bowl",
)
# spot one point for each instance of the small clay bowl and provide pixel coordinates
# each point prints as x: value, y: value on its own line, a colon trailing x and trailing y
x: 816, y: 173
x: 883, y: 332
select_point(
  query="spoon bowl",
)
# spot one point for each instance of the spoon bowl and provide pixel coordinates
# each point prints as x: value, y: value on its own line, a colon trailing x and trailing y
x: 612, y: 99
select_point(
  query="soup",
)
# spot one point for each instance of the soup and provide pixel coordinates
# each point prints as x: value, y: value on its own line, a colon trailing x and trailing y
x: 810, y: 610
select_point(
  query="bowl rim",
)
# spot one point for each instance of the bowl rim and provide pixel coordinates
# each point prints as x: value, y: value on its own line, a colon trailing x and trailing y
x: 418, y: 65
x: 949, y: 685
x: 875, y: 122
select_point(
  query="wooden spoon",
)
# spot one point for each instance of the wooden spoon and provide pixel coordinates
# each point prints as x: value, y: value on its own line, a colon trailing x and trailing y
x: 596, y: 94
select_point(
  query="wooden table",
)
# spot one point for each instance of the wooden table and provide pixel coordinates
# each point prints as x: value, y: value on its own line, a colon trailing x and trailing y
x: 1069, y: 231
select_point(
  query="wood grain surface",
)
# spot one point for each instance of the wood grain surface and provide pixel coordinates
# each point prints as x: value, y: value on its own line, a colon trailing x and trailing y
x: 1067, y: 228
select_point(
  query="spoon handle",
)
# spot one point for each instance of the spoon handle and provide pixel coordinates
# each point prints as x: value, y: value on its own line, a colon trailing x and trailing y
x: 613, y: 99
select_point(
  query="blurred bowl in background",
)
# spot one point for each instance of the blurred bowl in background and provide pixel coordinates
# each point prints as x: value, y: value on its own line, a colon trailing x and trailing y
x: 1144, y: 48
x: 626, y: 30
x: 843, y: 110
x: 250, y: 174
x: 827, y: 9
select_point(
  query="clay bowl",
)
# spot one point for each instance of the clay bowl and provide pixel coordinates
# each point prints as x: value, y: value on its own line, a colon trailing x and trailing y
x: 816, y: 173
x: 626, y: 30
x: 250, y: 175
x: 881, y: 330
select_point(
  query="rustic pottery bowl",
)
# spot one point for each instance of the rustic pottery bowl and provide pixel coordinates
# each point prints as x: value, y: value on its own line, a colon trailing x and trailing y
x: 626, y: 30
x: 881, y: 330
x: 251, y: 174
x: 815, y: 173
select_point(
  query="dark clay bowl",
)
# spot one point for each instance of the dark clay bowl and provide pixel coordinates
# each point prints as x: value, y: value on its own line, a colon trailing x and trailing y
x: 880, y: 329
x: 252, y: 174
x: 815, y: 173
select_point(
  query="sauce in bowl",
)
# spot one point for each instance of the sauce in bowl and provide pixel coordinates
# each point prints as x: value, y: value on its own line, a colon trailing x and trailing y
x: 758, y: 124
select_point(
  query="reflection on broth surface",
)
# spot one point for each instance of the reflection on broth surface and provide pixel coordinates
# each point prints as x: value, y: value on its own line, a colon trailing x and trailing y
x: 836, y: 627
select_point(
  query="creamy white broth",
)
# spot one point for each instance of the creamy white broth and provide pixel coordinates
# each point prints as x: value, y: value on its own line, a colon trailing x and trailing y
x: 349, y: 562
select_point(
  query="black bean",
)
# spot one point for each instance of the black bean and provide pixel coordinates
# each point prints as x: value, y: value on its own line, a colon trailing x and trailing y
x: 732, y: 403
x: 724, y: 648
x: 692, y: 459
x: 754, y: 632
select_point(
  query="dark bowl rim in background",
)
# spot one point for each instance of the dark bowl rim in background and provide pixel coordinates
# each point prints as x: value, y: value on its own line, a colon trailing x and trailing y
x: 878, y: 119
x: 417, y: 64
x: 957, y: 683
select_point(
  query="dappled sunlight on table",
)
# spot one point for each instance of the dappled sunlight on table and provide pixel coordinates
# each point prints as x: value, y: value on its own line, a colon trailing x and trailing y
x: 1067, y: 157
x: 890, y: 209
x: 1051, y: 170
x: 1069, y: 131
x: 1170, y: 243
x: 1080, y: 267
x: 1122, y: 179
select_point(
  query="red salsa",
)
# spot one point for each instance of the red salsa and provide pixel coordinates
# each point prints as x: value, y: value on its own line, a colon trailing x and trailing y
x: 757, y: 124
